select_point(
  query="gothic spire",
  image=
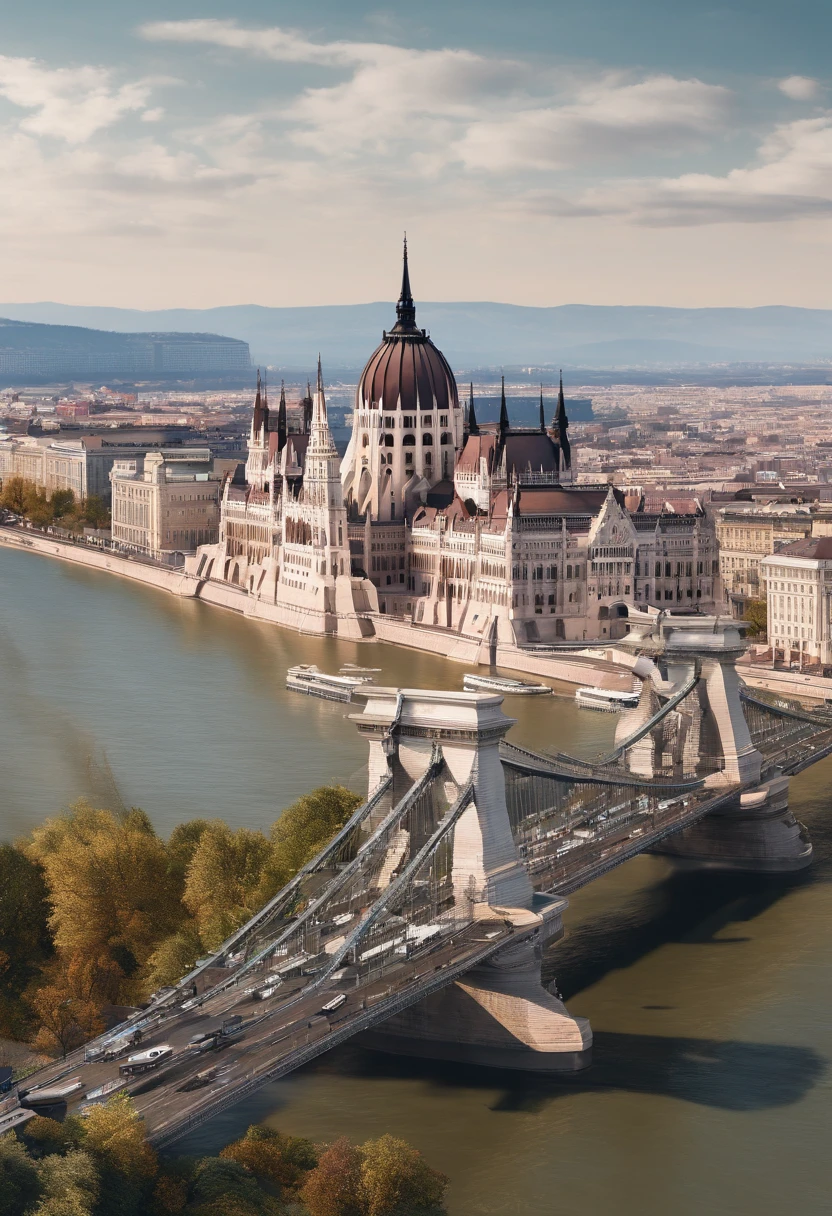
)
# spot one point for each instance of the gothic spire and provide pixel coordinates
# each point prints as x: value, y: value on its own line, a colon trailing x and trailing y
x: 473, y: 425
x: 405, y: 309
x: 560, y: 424
x: 265, y: 406
x: 320, y: 387
x: 257, y: 417
x: 542, y: 415
x: 282, y: 429
x: 503, y: 410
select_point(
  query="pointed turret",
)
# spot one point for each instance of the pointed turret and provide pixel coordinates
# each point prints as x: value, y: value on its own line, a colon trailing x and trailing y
x: 542, y: 415
x: 405, y: 309
x: 560, y: 425
x: 282, y: 428
x: 473, y: 425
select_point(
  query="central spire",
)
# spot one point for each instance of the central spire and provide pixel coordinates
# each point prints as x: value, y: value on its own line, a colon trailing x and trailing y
x: 405, y: 309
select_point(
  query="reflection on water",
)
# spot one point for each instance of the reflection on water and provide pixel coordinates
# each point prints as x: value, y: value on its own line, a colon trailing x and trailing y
x: 709, y: 994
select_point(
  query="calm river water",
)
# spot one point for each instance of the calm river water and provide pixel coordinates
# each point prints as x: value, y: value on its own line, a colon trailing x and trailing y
x: 710, y: 996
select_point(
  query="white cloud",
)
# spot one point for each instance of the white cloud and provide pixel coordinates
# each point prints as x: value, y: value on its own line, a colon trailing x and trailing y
x: 791, y: 180
x: 799, y: 88
x: 154, y: 115
x: 609, y: 117
x: 71, y: 104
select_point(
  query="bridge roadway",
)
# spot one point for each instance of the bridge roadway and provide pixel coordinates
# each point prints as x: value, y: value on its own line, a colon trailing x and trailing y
x: 277, y: 1035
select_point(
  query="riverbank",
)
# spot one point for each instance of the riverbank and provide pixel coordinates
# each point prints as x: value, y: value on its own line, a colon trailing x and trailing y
x: 571, y: 668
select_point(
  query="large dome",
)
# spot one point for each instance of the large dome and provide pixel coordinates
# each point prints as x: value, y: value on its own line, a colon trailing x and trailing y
x: 407, y: 372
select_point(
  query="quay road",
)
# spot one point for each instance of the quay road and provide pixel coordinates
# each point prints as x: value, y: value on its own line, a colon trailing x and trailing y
x: 276, y: 1035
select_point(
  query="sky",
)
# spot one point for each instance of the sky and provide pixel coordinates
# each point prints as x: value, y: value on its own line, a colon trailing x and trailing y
x: 192, y: 154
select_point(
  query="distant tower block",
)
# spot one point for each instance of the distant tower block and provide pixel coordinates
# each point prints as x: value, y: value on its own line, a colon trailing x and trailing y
x: 498, y: 1014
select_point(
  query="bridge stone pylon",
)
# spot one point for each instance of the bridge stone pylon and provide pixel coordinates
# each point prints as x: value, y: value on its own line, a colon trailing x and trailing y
x: 498, y: 1013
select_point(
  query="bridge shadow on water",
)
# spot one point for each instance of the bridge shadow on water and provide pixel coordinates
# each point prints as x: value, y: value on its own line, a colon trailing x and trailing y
x: 685, y: 907
x: 721, y: 1074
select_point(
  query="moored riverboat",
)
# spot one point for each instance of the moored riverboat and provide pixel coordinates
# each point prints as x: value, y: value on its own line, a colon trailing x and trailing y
x: 476, y: 683
x: 308, y: 678
x: 609, y: 700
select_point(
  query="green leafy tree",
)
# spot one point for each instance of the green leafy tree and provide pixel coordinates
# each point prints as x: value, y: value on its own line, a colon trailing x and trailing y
x: 397, y: 1181
x: 302, y: 831
x: 71, y: 1185
x: 62, y: 503
x: 222, y: 887
x: 334, y: 1187
x: 20, y: 1185
x: 756, y: 613
x: 44, y: 1136
x: 94, y: 513
x: 25, y: 942
x: 176, y: 956
x: 224, y: 1188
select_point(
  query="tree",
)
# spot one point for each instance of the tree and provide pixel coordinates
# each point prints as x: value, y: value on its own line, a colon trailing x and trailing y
x: 64, y: 1021
x: 62, y: 503
x: 47, y: 1136
x: 94, y: 512
x: 302, y: 831
x: 182, y: 844
x: 14, y: 494
x: 115, y: 1138
x: 224, y: 1188
x: 71, y: 1185
x: 25, y: 942
x: 334, y: 1187
x: 756, y: 613
x: 176, y: 956
x: 223, y: 880
x: 397, y: 1181
x: 282, y: 1161
x: 37, y: 506
x: 20, y: 1184
x: 109, y: 884
x: 170, y: 1195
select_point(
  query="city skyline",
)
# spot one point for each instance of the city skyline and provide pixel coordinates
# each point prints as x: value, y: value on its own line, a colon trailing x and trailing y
x: 273, y: 154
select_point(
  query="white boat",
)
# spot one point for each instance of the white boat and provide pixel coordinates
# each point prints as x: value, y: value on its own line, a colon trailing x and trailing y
x: 474, y: 683
x: 306, y: 677
x: 611, y: 700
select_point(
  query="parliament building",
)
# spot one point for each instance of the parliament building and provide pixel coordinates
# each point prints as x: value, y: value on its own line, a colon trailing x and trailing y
x: 443, y: 521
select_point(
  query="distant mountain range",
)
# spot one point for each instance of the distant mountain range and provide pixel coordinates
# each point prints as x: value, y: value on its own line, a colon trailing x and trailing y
x: 487, y: 335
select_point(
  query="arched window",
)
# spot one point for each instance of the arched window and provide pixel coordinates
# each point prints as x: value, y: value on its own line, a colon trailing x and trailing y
x: 388, y: 441
x: 427, y: 440
x: 365, y: 441
x: 428, y: 459
x: 409, y: 441
x: 445, y: 437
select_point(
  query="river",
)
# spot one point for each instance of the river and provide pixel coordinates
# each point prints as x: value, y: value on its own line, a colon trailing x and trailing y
x: 709, y: 995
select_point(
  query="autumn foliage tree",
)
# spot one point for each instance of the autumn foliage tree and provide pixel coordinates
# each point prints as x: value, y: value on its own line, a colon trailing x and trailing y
x: 110, y: 889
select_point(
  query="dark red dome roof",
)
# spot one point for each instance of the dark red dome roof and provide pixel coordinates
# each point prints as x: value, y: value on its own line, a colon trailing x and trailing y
x: 407, y: 372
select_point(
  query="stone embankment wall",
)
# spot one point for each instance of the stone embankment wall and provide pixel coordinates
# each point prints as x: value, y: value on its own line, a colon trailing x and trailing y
x: 571, y: 668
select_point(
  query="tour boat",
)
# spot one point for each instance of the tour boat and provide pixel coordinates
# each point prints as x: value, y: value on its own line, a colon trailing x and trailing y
x: 307, y: 678
x: 474, y: 683
x: 607, y: 699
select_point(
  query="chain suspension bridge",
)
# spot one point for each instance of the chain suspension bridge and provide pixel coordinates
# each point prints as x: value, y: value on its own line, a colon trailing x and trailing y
x: 421, y: 925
